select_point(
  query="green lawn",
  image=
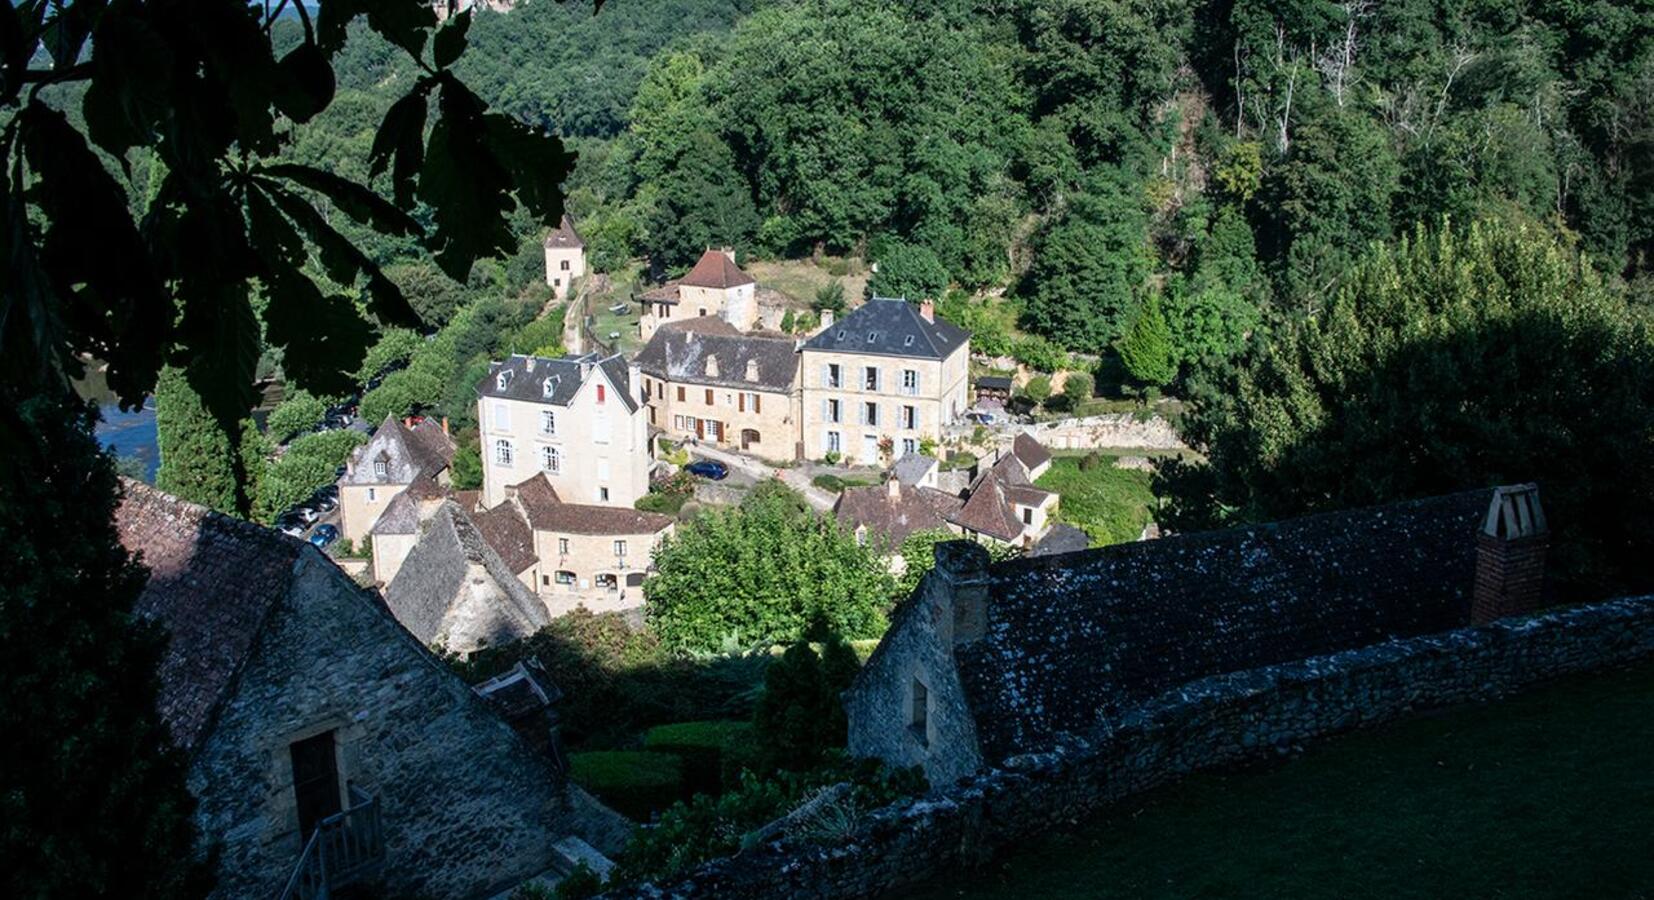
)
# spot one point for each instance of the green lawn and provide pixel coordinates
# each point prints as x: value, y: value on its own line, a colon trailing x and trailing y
x: 1549, y: 795
x: 1111, y: 505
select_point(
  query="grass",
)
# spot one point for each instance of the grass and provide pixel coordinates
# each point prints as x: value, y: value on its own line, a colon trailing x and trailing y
x: 799, y: 279
x: 635, y: 783
x: 1548, y: 795
x: 1111, y: 505
x: 837, y: 483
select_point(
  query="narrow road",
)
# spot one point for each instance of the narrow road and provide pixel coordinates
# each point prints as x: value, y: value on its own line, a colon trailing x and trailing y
x: 821, y: 500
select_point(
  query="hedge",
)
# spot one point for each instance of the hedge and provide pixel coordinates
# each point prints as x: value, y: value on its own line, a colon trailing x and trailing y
x: 701, y: 747
x: 635, y: 783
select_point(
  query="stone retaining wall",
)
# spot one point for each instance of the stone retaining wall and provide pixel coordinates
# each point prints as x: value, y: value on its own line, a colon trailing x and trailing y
x: 1217, y: 721
x: 1108, y: 431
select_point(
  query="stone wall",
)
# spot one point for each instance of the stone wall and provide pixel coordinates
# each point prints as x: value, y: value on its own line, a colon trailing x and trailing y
x: 1108, y: 431
x: 1213, y: 722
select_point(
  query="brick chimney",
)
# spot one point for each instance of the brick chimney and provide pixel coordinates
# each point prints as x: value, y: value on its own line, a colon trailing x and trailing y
x: 927, y: 309
x: 962, y: 610
x: 1510, y: 555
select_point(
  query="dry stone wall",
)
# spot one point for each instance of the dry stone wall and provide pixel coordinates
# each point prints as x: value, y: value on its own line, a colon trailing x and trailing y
x: 1213, y: 722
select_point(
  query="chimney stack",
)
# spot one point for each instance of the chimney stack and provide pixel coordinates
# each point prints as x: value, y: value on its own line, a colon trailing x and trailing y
x: 445, y: 427
x: 826, y: 319
x: 728, y: 252
x: 962, y: 613
x: 893, y: 486
x: 927, y: 309
x: 1510, y: 555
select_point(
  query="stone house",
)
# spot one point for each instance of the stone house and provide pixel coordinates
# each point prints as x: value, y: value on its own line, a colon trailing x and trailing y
x: 457, y: 592
x: 986, y: 662
x: 890, y: 374
x: 715, y: 286
x: 1004, y: 506
x: 578, y: 420
x: 706, y: 381
x: 565, y: 258
x: 395, y: 457
x: 887, y: 514
x: 582, y: 556
x: 317, y: 726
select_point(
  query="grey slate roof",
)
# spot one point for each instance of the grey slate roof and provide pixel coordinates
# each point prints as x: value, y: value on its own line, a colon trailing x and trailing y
x: 678, y: 352
x: 564, y: 236
x: 401, y: 516
x: 910, y: 469
x: 407, y: 453
x: 1073, y: 640
x: 1062, y: 538
x: 527, y: 384
x: 433, y: 594
x: 895, y: 328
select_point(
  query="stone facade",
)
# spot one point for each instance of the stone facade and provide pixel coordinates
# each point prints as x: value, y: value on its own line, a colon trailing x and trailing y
x: 888, y: 371
x: 578, y: 420
x: 565, y: 258
x: 377, y: 472
x: 715, y: 287
x: 1215, y: 722
x: 707, y: 382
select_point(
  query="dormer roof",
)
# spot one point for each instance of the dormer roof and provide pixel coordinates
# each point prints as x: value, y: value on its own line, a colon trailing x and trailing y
x: 566, y: 374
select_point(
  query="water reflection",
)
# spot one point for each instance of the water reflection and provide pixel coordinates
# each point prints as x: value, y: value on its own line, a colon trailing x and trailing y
x: 127, y: 434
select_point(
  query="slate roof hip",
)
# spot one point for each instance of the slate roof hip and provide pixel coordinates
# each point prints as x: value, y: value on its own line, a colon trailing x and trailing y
x: 886, y: 327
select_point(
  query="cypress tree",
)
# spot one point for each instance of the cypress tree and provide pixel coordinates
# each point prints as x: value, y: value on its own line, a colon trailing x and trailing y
x: 200, y: 462
x: 1147, y: 349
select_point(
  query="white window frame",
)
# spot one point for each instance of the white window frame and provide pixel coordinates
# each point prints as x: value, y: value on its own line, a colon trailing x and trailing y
x: 835, y: 376
x: 620, y: 549
x: 835, y: 442
x: 870, y: 378
x: 910, y: 382
x: 504, y: 452
x: 551, y: 460
x: 548, y: 421
x: 562, y: 546
x: 381, y: 469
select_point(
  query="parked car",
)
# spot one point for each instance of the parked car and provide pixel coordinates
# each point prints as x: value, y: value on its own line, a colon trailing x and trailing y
x: 708, y: 468
x: 292, y: 529
x: 982, y: 418
x: 326, y: 503
x: 303, y: 514
x: 324, y: 535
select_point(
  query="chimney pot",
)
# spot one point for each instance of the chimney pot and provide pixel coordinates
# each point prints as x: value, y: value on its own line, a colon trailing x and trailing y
x: 1510, y: 555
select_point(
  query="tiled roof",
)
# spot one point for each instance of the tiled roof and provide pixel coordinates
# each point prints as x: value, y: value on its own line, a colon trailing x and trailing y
x: 894, y: 518
x: 406, y: 453
x: 1073, y: 640
x: 1031, y: 452
x: 666, y: 293
x: 434, y: 588
x: 213, y: 583
x: 526, y: 383
x: 678, y: 352
x: 546, y: 513
x: 715, y: 270
x: 505, y: 529
x: 991, y: 506
x: 883, y: 327
x: 401, y: 515
x: 564, y: 236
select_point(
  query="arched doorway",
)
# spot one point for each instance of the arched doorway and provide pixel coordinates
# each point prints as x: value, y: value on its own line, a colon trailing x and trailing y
x: 749, y: 436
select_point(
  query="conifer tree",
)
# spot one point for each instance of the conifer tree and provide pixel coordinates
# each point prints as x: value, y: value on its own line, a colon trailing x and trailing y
x: 1147, y: 348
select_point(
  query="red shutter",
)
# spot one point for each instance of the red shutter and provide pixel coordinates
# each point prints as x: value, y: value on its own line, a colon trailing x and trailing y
x: 600, y: 393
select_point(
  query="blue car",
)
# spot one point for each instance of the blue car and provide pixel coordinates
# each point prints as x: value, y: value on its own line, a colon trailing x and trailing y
x: 708, y: 468
x: 324, y: 535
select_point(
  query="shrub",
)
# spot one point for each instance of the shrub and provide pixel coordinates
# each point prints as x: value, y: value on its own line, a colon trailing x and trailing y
x: 579, y: 884
x: 700, y: 747
x: 635, y: 783
x: 1039, y: 354
x: 829, y: 297
x: 394, y: 347
x: 1037, y: 390
x: 466, y: 469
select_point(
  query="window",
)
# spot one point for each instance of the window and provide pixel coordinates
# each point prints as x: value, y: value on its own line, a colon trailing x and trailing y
x: 545, y: 581
x: 918, y: 719
x: 660, y: 391
x: 872, y: 336
x: 502, y: 417
x: 680, y: 393
x: 602, y: 394
x: 747, y: 400
x: 709, y: 400
x: 502, y: 452
x: 835, y: 444
x: 372, y: 495
x: 548, y: 422
x: 551, y: 460
x: 1027, y: 516
x: 380, y: 470
x: 562, y: 546
x: 502, y: 380
x: 835, y: 375
x: 565, y: 577
x: 600, y: 429
x: 909, y: 446
x: 557, y: 282
x: 603, y: 495
x: 564, y: 265
x: 547, y: 387
x: 703, y: 310
x: 620, y: 549
x: 870, y: 378
x: 910, y: 417
x: 870, y: 413
x: 835, y: 411
x: 315, y: 781
x: 910, y: 382
x: 907, y: 341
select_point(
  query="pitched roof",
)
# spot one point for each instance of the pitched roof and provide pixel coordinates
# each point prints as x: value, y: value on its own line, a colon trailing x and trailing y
x: 505, y: 529
x: 991, y: 505
x: 526, y: 378
x: 894, y: 518
x: 407, y: 453
x: 401, y: 515
x: 213, y: 583
x: 715, y: 270
x: 546, y: 512
x: 678, y: 352
x: 1062, y: 538
x: 884, y: 327
x: 564, y: 236
x: 912, y: 468
x: 435, y: 596
x: 665, y: 293
x: 1073, y: 640
x: 1030, y: 451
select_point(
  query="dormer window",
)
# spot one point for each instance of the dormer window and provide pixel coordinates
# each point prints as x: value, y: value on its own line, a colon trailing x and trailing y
x: 752, y: 370
x: 380, y: 469
x: 502, y: 380
x: 840, y: 335
x: 712, y: 367
x: 547, y: 387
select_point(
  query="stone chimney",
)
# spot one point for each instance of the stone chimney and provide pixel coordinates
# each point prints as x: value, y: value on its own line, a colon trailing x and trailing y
x: 893, y: 487
x: 826, y: 319
x: 1510, y: 555
x: 927, y: 309
x: 961, y: 601
x: 728, y: 252
x: 528, y: 363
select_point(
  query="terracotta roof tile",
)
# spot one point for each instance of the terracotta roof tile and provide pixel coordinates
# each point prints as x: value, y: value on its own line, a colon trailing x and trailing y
x: 716, y: 270
x: 894, y: 518
x: 564, y: 235
x: 546, y: 513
